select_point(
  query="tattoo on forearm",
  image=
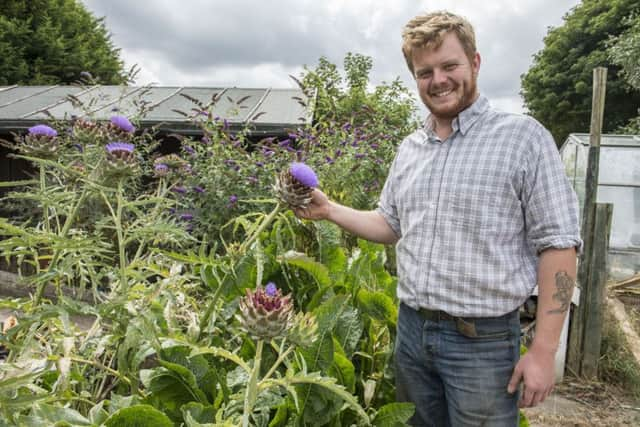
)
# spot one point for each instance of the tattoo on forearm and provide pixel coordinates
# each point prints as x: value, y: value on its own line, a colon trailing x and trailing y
x: 564, y: 286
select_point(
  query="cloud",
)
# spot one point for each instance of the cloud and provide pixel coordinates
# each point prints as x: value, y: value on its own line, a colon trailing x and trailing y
x: 258, y: 44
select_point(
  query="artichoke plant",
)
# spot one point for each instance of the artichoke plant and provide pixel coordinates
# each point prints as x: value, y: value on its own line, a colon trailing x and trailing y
x: 294, y: 185
x: 41, y: 141
x: 265, y: 312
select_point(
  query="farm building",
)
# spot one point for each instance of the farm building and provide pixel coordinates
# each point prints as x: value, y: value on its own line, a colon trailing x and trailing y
x: 618, y: 183
x: 265, y: 112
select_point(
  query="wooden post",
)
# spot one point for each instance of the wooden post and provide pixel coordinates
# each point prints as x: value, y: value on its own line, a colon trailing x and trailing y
x: 576, y: 339
x: 593, y: 318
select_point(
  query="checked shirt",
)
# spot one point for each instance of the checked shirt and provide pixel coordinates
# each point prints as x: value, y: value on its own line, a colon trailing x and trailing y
x: 473, y: 212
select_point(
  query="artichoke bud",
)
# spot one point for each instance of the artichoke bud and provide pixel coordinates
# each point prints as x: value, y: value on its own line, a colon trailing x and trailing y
x: 265, y: 313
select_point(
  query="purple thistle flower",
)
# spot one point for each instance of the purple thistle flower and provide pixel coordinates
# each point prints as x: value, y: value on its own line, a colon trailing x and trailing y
x: 374, y: 145
x: 205, y: 140
x: 359, y: 156
x: 186, y: 216
x: 271, y: 289
x: 260, y: 164
x: 189, y: 150
x: 346, y: 126
x: 328, y: 159
x: 123, y: 123
x: 198, y: 189
x: 179, y: 189
x: 43, y: 130
x: 304, y: 174
x: 233, y: 199
x: 114, y: 147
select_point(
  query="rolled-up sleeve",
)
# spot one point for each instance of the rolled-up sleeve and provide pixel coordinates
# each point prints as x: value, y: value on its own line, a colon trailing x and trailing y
x: 387, y: 204
x: 549, y: 202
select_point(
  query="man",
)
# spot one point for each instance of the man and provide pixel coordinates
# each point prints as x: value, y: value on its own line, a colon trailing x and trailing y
x: 481, y: 211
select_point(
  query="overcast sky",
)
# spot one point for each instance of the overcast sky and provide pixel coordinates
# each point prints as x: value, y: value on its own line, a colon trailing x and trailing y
x: 247, y: 43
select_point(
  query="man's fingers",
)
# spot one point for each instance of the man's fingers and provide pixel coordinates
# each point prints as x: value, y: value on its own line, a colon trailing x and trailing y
x: 516, y: 377
x: 526, y: 398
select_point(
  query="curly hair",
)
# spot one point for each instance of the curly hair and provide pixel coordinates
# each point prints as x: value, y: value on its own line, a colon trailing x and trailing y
x: 429, y: 30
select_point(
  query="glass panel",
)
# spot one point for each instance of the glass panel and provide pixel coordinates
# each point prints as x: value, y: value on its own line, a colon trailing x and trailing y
x: 568, y: 155
x: 625, y: 225
x: 620, y: 165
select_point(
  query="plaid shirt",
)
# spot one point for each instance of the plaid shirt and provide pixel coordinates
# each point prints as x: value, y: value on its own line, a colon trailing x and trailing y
x: 474, y: 211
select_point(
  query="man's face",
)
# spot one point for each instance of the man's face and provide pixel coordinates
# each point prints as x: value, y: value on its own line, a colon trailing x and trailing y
x: 446, y: 78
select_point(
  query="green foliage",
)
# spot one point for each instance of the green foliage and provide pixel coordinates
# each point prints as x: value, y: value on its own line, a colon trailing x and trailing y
x: 139, y: 416
x: 557, y: 88
x: 52, y: 41
x: 164, y: 328
x: 624, y: 51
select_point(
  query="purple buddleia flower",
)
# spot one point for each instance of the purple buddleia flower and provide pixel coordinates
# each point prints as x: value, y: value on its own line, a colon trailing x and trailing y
x: 233, y: 199
x: 271, y: 289
x: 186, y: 216
x: 43, y: 130
x: 115, y: 147
x: 179, y: 189
x: 122, y: 123
x: 304, y: 174
x: 285, y: 143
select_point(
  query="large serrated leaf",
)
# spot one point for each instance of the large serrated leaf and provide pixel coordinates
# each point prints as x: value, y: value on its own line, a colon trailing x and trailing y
x: 56, y: 414
x: 394, y: 414
x: 315, y: 269
x: 139, y: 416
x: 378, y: 305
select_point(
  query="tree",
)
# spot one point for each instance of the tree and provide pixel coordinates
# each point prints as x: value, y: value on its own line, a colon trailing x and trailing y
x: 54, y: 42
x: 557, y: 88
x: 624, y: 51
x: 349, y: 99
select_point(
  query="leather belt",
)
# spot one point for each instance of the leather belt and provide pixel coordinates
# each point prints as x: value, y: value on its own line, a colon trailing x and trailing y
x: 466, y: 327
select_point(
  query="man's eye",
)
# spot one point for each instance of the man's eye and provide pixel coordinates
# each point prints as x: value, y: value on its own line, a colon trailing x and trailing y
x: 425, y: 74
x: 450, y: 67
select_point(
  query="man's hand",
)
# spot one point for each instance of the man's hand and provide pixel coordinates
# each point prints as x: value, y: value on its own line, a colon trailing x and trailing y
x: 318, y: 207
x: 536, y: 370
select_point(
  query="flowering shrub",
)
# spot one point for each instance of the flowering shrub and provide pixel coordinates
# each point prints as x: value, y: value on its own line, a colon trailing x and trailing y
x: 185, y: 331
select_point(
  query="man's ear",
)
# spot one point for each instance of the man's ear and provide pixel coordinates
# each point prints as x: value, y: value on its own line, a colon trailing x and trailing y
x: 475, y: 64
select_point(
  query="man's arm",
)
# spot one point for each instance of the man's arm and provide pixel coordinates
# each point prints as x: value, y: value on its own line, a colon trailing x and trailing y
x: 368, y: 225
x: 556, y: 280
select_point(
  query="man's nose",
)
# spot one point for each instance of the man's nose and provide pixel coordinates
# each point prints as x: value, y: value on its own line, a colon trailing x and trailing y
x: 439, y: 76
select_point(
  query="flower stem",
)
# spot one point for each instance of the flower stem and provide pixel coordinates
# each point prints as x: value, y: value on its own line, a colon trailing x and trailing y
x: 118, y: 224
x: 280, y: 359
x: 265, y: 222
x: 45, y: 206
x: 252, y: 387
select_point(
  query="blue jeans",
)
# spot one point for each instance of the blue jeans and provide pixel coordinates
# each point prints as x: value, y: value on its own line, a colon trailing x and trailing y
x: 455, y: 380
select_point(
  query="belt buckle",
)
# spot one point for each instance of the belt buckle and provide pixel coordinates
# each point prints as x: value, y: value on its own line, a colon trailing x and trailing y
x: 468, y: 329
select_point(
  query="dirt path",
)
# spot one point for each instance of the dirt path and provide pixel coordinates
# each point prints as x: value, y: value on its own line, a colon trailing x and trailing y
x: 578, y: 404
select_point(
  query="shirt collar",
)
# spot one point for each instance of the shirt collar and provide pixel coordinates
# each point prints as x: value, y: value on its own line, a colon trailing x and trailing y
x: 463, y: 122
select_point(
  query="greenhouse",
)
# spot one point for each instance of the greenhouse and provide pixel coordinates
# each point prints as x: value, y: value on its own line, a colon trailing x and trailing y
x: 618, y: 183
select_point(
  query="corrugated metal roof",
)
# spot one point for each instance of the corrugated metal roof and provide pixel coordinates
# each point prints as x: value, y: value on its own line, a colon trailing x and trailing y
x: 607, y: 139
x: 266, y: 110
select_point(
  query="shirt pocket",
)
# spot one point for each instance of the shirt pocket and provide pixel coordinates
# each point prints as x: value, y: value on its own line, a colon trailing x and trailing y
x: 487, y: 209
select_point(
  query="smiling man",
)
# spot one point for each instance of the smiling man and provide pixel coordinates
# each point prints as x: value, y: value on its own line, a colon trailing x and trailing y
x: 480, y: 210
